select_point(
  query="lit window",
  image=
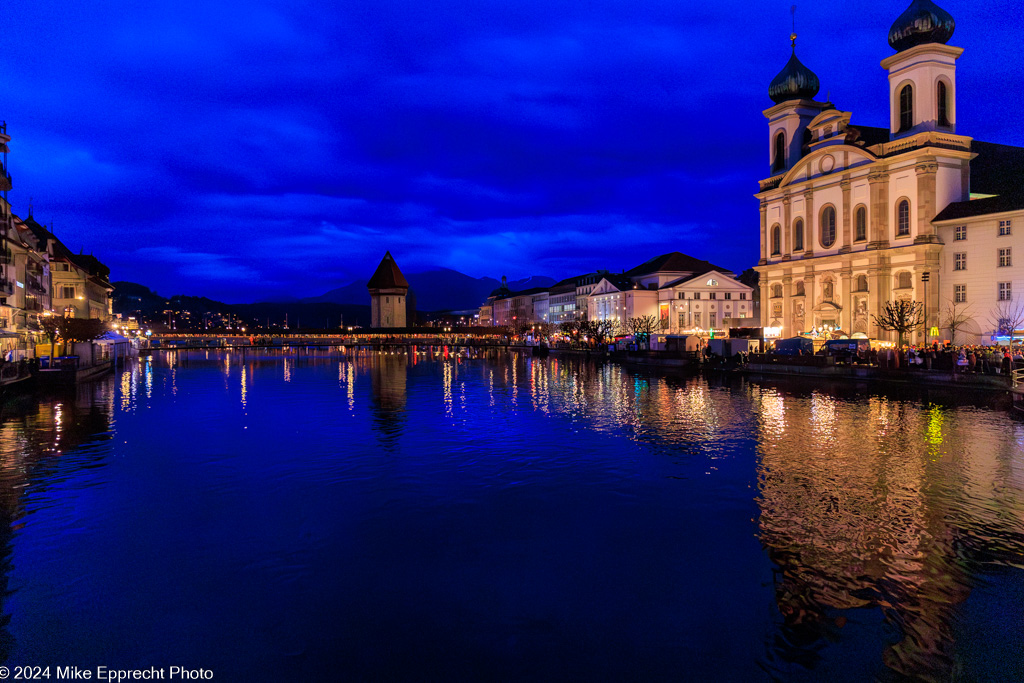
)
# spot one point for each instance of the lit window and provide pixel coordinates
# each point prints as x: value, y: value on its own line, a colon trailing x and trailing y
x: 1005, y: 258
x: 960, y: 261
x: 1005, y: 291
x: 959, y: 293
x: 960, y: 233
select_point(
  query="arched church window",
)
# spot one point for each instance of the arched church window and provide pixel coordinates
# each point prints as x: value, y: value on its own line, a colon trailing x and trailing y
x: 828, y: 226
x: 903, y: 218
x: 779, y: 162
x: 862, y: 283
x: 798, y: 235
x: 942, y: 98
x: 906, y: 108
x: 903, y: 280
x: 776, y: 291
x: 800, y: 288
x: 776, y: 240
x: 861, y: 224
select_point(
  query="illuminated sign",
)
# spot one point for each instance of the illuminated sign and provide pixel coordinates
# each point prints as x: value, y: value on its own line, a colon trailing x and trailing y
x: 19, y: 284
x: 772, y: 332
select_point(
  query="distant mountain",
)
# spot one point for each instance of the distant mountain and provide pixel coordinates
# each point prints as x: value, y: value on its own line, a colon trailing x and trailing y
x: 133, y: 299
x: 442, y: 289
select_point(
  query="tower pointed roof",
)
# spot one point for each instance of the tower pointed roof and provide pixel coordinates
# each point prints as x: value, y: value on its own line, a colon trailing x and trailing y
x: 387, y: 275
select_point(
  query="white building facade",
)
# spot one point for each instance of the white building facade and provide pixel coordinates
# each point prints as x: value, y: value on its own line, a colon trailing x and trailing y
x: 850, y: 215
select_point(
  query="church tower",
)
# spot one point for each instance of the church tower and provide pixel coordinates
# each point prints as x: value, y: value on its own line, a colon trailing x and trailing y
x: 388, y: 292
x: 922, y: 73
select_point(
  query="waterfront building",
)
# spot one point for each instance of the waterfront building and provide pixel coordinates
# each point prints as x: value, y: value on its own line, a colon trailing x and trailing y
x: 562, y: 301
x: 852, y: 217
x: 388, y: 292
x: 619, y: 298
x: 710, y: 301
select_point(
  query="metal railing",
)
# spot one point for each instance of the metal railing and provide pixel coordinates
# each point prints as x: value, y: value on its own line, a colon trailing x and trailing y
x: 1016, y: 378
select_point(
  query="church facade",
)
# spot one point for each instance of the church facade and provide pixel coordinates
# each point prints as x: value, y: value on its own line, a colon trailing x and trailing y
x: 852, y: 217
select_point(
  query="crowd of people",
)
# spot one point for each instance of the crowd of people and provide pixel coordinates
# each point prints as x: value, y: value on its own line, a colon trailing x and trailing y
x: 988, y: 360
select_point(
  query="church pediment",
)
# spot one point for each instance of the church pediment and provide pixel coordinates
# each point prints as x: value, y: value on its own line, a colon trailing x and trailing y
x: 827, y: 161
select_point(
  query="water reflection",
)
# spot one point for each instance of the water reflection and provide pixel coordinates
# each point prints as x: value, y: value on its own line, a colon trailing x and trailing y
x: 533, y: 499
x: 42, y: 445
x: 896, y: 517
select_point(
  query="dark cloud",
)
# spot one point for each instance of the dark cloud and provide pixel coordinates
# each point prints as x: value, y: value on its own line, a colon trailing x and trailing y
x: 247, y: 150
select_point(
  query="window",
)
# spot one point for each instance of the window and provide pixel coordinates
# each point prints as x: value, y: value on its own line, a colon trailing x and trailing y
x: 713, y: 295
x: 696, y: 295
x: 67, y: 292
x: 681, y: 295
x: 828, y: 226
x: 776, y: 291
x: 696, y: 319
x: 798, y: 235
x: 943, y: 104
x: 1005, y: 291
x: 960, y: 233
x: 903, y: 218
x: 800, y: 288
x: 960, y: 261
x: 862, y: 283
x: 906, y: 108
x: 1005, y: 258
x: 728, y: 295
x: 712, y: 319
x: 959, y: 293
x: 682, y: 320
x: 904, y: 280
x: 1005, y: 227
x: 776, y: 240
x: 861, y: 222
x: 743, y: 296
x: 779, y: 162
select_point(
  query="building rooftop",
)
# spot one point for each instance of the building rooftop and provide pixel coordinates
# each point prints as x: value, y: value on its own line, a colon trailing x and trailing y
x: 387, y: 275
x: 675, y: 262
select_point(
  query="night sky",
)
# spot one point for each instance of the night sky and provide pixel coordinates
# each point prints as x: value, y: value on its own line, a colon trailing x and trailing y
x: 257, y: 150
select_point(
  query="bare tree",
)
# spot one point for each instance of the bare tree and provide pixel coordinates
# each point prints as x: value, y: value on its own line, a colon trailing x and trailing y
x: 901, y: 316
x: 603, y: 330
x: 955, y: 318
x: 1008, y: 317
x: 642, y: 327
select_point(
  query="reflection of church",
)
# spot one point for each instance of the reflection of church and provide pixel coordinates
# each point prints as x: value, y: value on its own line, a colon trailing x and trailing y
x: 853, y: 217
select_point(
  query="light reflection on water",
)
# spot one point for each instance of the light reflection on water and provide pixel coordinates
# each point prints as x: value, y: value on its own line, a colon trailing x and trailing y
x: 497, y: 516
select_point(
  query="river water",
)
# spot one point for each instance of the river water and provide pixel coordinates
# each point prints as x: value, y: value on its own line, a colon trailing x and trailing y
x: 306, y: 515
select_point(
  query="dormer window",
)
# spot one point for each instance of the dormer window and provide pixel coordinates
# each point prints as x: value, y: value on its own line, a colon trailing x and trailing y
x: 906, y: 108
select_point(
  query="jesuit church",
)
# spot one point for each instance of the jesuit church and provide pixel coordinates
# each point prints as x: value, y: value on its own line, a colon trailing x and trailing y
x: 853, y: 216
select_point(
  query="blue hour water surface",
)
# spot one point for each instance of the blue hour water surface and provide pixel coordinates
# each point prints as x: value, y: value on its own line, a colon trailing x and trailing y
x: 307, y: 515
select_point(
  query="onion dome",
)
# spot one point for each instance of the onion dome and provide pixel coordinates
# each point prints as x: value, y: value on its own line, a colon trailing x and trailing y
x: 794, y: 82
x: 923, y: 22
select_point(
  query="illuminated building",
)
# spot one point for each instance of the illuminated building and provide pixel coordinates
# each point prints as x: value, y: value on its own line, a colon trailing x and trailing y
x: 852, y: 217
x: 388, y: 293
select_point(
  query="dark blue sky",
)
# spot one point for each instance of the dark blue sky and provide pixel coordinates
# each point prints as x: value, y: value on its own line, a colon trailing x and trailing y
x: 252, y: 150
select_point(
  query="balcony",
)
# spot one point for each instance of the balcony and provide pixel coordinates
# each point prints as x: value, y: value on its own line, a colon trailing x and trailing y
x: 32, y: 305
